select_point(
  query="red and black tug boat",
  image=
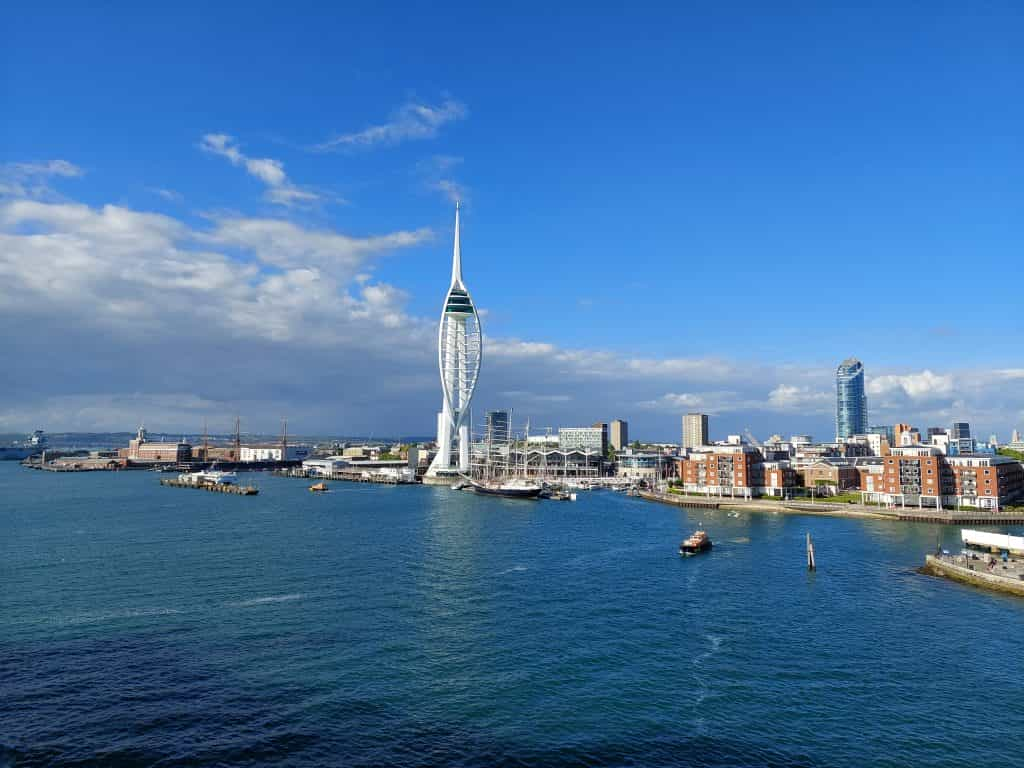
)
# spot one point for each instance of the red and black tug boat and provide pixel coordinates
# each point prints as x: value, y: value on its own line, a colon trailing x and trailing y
x: 697, y: 542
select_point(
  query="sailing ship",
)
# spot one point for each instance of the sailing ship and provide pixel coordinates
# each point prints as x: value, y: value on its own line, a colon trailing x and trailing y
x: 513, y: 488
x: 496, y: 471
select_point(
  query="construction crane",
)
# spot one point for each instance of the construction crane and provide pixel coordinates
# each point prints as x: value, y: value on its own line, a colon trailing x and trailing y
x: 751, y: 439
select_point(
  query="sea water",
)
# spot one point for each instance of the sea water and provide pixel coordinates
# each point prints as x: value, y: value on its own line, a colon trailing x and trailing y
x: 417, y: 626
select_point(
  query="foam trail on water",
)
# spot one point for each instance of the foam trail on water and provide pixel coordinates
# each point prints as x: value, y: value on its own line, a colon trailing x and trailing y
x: 268, y: 599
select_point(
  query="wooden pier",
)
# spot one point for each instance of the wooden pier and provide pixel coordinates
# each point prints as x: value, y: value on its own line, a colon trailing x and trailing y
x: 237, y: 490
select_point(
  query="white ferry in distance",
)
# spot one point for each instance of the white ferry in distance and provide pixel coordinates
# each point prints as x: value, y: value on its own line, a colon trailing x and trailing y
x: 210, y: 476
x: 22, y: 449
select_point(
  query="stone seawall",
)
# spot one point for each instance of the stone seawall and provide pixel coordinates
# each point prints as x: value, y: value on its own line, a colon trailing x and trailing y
x: 936, y: 566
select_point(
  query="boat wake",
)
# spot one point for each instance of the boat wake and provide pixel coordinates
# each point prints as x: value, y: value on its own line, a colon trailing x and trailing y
x: 513, y: 569
x: 703, y: 691
x: 268, y: 599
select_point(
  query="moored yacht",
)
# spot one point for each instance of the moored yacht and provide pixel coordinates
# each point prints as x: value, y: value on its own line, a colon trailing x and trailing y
x: 511, y: 487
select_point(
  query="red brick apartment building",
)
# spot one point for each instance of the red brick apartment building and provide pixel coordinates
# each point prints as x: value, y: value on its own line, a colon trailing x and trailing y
x: 735, y: 470
x: 921, y: 476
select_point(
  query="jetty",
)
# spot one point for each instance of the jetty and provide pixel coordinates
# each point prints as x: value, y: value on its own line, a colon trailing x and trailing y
x: 237, y: 490
x: 986, y: 571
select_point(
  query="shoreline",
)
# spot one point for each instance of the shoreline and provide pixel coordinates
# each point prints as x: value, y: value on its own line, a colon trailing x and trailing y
x: 853, y: 511
x: 754, y: 505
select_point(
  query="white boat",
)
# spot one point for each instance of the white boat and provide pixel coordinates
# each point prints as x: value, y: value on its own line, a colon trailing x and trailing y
x: 209, y: 477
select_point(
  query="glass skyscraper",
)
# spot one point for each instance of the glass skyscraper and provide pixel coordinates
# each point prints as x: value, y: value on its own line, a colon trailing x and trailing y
x: 851, y: 402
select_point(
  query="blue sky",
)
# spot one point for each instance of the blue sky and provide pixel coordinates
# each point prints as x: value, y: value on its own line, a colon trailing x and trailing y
x: 666, y: 208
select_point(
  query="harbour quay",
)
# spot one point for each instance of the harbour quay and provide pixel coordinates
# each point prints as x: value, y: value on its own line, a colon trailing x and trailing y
x: 231, y: 488
x: 980, y: 570
x: 382, y: 473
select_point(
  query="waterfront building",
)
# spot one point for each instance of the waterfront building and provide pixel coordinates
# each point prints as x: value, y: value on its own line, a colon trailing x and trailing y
x: 695, y: 430
x: 325, y: 467
x: 735, y: 470
x: 592, y: 439
x: 556, y: 463
x: 542, y: 441
x: 644, y: 465
x: 459, y: 353
x: 921, y: 476
x: 851, y: 401
x: 142, y: 450
x: 832, y: 475
x: 619, y: 434
x: 278, y: 452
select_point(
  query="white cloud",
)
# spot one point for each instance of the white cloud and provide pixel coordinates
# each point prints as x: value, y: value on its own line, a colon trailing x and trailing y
x: 31, y: 180
x: 49, y: 168
x: 452, y: 190
x: 410, y: 121
x: 167, y: 194
x: 269, y: 171
x: 916, y: 386
x: 129, y: 272
x: 676, y: 401
x: 787, y: 397
x: 436, y: 175
x: 136, y: 314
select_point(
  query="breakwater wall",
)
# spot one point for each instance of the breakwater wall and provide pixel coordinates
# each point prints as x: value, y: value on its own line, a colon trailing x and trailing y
x: 965, y: 574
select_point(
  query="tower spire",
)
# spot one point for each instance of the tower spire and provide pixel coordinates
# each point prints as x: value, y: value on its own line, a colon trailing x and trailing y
x: 457, y: 254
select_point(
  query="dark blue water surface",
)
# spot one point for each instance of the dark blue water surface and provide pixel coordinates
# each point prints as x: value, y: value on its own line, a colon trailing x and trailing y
x: 416, y: 626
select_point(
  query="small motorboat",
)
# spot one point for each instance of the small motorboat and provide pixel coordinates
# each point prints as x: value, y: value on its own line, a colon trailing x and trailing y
x: 697, y: 542
x: 318, y: 487
x: 561, y: 495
